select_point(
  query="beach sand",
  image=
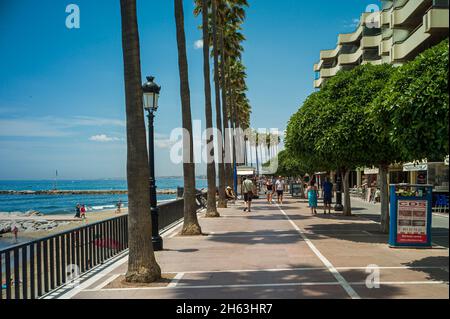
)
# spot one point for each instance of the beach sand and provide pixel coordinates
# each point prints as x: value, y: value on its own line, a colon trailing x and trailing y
x: 91, y: 218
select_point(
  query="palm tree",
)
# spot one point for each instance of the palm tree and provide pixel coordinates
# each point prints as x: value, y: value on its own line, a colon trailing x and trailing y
x: 220, y: 153
x: 191, y: 226
x: 211, y: 165
x: 142, y: 265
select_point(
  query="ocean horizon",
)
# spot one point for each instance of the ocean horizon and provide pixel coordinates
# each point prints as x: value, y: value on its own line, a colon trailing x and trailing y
x: 65, y: 204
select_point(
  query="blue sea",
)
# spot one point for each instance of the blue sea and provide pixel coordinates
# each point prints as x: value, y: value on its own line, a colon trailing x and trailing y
x: 65, y: 204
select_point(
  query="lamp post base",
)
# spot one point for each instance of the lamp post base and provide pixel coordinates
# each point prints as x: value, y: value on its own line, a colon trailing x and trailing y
x: 157, y: 243
x: 156, y: 238
x: 338, y: 208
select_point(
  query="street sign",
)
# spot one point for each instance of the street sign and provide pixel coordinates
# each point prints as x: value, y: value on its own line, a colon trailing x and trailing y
x: 411, y: 215
x: 412, y: 167
x: 371, y: 171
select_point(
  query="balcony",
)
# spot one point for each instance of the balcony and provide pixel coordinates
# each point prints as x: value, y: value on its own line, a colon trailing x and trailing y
x: 328, y: 73
x: 385, y: 47
x: 436, y: 19
x: 330, y: 54
x: 316, y: 67
x: 401, y: 50
x: 318, y: 83
x: 350, y: 37
x: 352, y: 58
x: 385, y: 17
x: 374, y: 62
x: 401, y: 15
x: 368, y: 42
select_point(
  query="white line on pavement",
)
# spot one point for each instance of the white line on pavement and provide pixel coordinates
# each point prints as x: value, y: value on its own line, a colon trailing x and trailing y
x: 308, y: 269
x: 115, y: 263
x: 107, y: 282
x: 293, y: 284
x: 176, y: 280
x: 90, y: 281
x: 350, y: 291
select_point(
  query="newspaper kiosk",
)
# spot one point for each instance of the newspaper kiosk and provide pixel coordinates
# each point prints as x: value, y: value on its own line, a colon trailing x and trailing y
x: 410, y: 216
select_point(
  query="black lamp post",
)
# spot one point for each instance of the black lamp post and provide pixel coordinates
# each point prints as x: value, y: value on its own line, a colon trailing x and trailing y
x: 338, y: 207
x: 151, y: 95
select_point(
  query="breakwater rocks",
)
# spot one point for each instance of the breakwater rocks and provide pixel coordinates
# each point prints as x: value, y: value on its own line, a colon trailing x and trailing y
x: 27, y: 226
x: 31, y: 221
x: 79, y: 192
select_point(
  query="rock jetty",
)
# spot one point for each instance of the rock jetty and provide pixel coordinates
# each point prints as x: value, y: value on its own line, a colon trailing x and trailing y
x: 31, y: 221
x: 78, y: 192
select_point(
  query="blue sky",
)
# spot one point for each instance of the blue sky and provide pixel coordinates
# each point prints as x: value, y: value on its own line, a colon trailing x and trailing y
x: 62, y: 92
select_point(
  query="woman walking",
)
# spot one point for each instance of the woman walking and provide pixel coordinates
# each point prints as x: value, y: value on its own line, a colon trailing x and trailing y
x: 312, y: 197
x: 269, y: 187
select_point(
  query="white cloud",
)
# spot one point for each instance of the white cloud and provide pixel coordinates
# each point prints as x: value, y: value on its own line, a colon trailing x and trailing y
x: 103, y: 138
x: 164, y: 143
x: 198, y: 44
x: 50, y: 126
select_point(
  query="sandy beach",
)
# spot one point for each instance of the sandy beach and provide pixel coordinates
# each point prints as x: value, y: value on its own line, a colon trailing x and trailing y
x: 71, y: 224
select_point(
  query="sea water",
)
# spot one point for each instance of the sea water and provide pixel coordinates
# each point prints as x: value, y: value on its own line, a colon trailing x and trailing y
x: 65, y: 204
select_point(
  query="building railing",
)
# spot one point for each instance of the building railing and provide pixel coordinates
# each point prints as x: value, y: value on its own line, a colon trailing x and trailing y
x: 33, y: 269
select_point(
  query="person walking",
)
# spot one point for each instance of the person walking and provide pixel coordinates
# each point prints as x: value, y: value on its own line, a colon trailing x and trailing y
x: 269, y: 187
x: 83, y: 211
x: 312, y: 197
x: 119, y: 207
x: 15, y: 231
x: 78, y: 211
x: 247, y: 188
x: 279, y: 186
x: 327, y: 195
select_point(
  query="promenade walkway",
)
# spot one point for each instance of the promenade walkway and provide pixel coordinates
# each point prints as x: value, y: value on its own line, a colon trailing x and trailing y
x: 283, y: 253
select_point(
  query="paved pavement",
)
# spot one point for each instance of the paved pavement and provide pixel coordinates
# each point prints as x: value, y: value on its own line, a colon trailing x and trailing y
x: 285, y: 253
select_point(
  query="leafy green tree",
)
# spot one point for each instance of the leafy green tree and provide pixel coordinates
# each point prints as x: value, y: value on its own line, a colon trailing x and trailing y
x: 414, y: 106
x: 331, y: 130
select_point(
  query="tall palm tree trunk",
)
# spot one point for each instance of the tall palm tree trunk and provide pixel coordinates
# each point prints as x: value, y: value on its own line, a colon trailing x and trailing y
x: 221, y: 165
x: 142, y: 265
x: 226, y: 123
x: 191, y: 226
x: 211, y: 165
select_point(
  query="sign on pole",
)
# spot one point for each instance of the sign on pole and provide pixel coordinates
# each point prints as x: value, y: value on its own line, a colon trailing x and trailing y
x: 411, y: 215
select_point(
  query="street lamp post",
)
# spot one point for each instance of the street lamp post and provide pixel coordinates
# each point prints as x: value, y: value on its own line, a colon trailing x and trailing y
x: 151, y: 95
x: 338, y: 207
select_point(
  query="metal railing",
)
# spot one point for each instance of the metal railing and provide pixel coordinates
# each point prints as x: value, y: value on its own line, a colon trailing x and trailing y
x: 31, y: 270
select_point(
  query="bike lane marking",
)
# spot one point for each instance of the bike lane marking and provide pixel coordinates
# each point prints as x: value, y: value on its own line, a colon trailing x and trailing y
x: 350, y: 291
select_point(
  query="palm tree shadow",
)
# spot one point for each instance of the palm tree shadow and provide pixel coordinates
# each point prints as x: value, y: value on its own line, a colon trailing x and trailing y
x: 317, y: 283
x: 266, y: 237
x: 435, y: 267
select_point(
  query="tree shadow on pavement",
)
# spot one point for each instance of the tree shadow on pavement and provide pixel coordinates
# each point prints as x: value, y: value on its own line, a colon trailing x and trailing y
x: 439, y: 272
x: 355, y: 232
x: 277, y: 217
x: 318, y: 283
x: 266, y: 237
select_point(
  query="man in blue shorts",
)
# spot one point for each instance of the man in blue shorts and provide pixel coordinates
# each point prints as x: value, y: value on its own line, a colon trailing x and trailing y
x: 327, y: 195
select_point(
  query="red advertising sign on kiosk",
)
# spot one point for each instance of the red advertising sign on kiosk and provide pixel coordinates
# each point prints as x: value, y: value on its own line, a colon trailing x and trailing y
x: 412, y: 222
x: 411, y: 216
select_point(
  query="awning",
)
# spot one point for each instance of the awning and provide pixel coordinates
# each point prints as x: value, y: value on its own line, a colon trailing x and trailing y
x: 371, y: 171
x: 414, y: 167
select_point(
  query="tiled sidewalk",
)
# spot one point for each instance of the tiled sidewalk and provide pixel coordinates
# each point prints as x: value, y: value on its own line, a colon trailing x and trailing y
x: 284, y: 252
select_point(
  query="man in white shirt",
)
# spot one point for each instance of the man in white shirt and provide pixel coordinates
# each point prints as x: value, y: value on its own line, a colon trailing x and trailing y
x: 248, y: 188
x: 279, y: 186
